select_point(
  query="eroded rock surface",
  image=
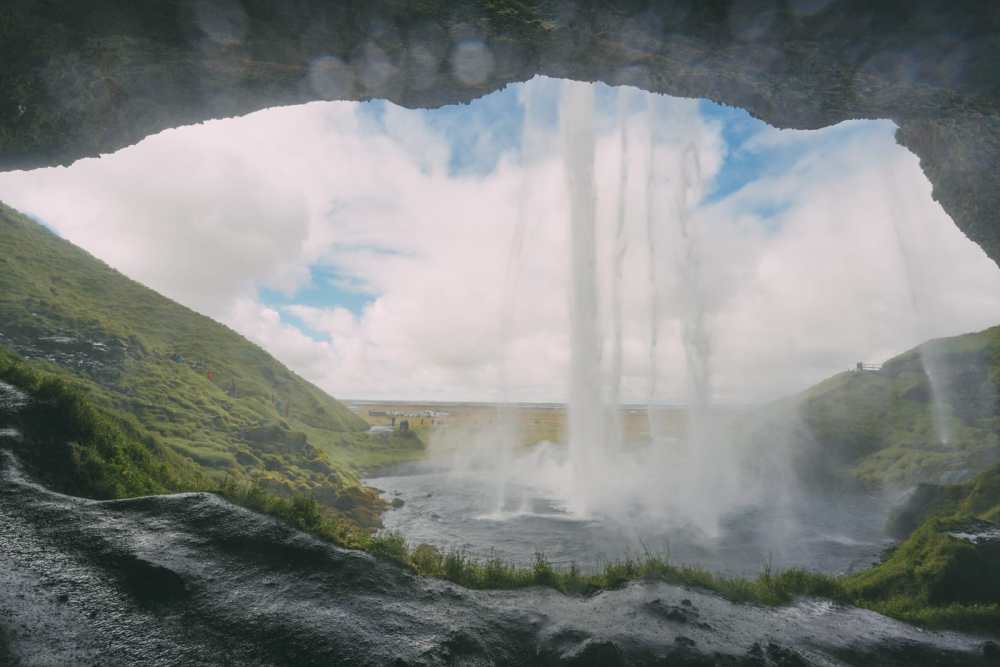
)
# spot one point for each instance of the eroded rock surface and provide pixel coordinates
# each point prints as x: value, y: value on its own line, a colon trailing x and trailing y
x: 97, y: 356
x: 190, y: 579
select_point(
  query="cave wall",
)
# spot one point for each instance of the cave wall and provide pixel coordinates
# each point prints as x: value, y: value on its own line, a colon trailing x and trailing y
x: 88, y: 77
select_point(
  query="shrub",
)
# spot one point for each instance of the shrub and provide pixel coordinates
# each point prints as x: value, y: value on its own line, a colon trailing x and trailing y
x: 304, y: 513
x: 391, y: 545
x: 456, y: 566
x: 428, y: 560
x: 542, y: 572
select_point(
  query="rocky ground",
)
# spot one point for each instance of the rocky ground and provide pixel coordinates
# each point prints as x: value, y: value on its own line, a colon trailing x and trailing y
x: 11, y: 400
x: 191, y: 579
x: 99, y: 357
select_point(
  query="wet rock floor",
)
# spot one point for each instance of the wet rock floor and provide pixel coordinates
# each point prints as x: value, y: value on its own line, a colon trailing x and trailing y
x: 190, y: 579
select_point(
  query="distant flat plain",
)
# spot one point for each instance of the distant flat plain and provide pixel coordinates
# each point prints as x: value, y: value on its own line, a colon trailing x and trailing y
x: 447, y: 424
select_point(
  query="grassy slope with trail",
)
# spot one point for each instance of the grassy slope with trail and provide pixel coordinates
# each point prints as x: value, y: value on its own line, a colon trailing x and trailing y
x: 213, y: 402
x: 880, y: 426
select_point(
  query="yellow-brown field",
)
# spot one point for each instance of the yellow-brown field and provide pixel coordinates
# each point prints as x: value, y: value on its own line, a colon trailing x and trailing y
x: 532, y: 423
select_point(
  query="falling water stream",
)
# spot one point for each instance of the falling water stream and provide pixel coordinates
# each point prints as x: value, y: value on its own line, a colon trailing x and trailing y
x: 652, y: 261
x: 506, y: 432
x: 923, y: 311
x: 619, y: 253
x: 587, y: 428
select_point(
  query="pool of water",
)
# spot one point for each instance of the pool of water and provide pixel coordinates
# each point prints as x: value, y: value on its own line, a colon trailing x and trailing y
x: 456, y: 510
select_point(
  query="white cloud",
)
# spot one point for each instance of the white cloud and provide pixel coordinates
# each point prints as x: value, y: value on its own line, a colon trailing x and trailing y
x: 209, y: 214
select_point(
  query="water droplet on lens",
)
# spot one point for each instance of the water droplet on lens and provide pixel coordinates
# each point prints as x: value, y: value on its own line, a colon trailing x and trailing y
x: 472, y: 62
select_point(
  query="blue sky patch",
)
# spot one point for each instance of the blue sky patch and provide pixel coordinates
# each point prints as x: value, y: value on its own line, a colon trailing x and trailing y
x: 740, y: 166
x: 326, y: 289
x: 480, y: 133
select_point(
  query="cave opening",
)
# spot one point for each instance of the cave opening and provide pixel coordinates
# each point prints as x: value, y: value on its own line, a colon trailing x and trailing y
x: 596, y: 344
x: 590, y: 303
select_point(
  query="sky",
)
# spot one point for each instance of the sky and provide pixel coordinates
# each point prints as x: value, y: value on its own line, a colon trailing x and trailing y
x: 387, y: 253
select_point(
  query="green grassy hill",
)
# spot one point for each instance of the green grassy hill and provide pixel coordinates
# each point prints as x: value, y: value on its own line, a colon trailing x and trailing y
x: 203, y: 391
x: 882, y: 424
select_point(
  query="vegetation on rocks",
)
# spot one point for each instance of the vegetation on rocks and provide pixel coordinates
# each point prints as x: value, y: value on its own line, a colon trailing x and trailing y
x: 81, y: 450
x: 939, y: 576
x: 932, y: 579
x: 935, y: 578
x: 976, y: 499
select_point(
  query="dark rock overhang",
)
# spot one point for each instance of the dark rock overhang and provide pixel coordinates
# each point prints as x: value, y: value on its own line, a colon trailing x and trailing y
x: 92, y: 76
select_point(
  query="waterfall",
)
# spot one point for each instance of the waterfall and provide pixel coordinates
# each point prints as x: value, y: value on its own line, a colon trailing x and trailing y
x: 507, y: 431
x: 702, y: 452
x: 600, y: 469
x: 619, y: 251
x: 586, y: 432
x: 930, y: 358
x: 695, y: 335
x: 652, y: 259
